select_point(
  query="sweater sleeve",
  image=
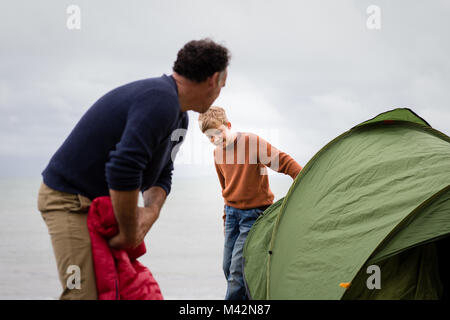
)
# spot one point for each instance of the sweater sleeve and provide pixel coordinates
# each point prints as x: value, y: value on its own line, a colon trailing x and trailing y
x: 165, y: 178
x: 276, y: 160
x: 219, y: 173
x: 221, y: 180
x: 149, y: 121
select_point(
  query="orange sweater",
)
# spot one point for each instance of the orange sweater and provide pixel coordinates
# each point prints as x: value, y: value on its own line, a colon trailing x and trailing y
x: 241, y: 168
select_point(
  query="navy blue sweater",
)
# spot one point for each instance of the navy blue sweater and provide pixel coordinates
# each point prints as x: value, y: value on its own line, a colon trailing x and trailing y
x: 123, y: 142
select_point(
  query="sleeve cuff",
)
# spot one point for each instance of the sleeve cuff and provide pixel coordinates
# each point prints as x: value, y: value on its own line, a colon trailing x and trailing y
x: 165, y: 187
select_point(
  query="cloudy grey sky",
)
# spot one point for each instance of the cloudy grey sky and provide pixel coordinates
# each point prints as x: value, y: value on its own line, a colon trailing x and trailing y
x: 302, y: 72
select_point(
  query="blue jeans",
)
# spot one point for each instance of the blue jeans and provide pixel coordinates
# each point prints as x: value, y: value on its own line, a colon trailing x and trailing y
x: 237, y: 225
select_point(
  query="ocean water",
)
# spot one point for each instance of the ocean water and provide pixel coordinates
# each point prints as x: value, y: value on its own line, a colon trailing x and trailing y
x: 184, y: 246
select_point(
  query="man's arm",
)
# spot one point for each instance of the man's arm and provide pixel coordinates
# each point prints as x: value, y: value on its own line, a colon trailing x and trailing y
x: 149, y: 119
x: 154, y: 199
x: 135, y: 222
x: 125, y: 209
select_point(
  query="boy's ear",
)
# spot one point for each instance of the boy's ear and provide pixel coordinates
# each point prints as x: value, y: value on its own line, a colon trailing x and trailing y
x: 229, y: 125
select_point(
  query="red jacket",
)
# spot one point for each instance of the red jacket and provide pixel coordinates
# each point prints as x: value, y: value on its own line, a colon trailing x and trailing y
x: 119, y: 276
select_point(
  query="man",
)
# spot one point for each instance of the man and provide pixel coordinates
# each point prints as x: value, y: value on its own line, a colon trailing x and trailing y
x: 122, y: 146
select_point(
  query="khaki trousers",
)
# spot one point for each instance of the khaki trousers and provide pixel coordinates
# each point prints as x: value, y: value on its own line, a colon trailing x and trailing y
x: 66, y: 217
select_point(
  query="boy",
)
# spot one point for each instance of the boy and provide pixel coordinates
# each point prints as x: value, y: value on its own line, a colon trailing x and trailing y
x: 240, y: 160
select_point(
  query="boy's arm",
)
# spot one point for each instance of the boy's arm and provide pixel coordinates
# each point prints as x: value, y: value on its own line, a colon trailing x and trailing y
x: 221, y: 180
x: 220, y: 176
x: 277, y: 160
x: 222, y: 184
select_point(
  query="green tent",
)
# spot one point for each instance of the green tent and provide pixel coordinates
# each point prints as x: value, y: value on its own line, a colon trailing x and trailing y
x: 367, y: 218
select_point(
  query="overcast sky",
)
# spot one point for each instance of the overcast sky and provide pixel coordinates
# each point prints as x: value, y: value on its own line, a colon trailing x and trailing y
x: 302, y: 72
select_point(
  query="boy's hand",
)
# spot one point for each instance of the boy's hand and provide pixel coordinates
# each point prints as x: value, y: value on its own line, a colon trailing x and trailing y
x: 224, y: 217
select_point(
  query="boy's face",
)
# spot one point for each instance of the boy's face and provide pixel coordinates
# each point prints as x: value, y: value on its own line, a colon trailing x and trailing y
x: 220, y: 136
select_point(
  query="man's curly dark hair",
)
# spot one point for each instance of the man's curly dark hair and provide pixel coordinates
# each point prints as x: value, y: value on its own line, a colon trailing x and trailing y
x: 200, y: 59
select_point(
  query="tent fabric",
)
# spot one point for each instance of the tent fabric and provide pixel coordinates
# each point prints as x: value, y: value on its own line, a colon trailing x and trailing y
x: 400, y: 114
x: 409, y: 275
x: 258, y: 248
x: 430, y: 223
x: 365, y: 194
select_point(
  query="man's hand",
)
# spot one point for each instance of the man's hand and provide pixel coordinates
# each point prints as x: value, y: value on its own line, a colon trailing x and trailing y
x: 145, y: 219
x: 119, y: 242
x: 134, y: 222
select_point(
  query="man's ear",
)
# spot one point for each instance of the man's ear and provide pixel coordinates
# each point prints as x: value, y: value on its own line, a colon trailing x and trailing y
x: 214, y: 79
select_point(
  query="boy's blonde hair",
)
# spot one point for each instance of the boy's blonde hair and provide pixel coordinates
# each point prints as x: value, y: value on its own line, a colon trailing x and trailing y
x: 212, y: 119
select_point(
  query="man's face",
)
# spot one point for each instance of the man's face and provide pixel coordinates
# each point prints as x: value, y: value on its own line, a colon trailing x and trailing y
x: 212, y: 90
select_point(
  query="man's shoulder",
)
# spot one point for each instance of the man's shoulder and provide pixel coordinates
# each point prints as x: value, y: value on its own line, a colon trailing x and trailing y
x: 155, y: 95
x: 150, y: 87
x: 144, y: 88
